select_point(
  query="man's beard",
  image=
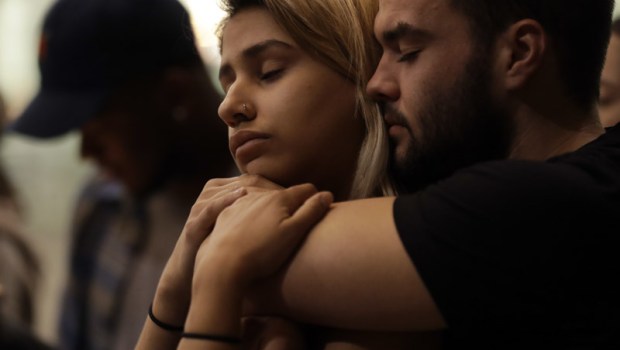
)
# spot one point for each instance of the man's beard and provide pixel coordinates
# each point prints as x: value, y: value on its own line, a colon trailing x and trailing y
x: 460, y: 126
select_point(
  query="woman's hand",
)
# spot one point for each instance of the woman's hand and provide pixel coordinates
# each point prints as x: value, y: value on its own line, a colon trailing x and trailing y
x: 252, y: 239
x: 172, y: 297
x: 256, y: 235
x: 173, y: 292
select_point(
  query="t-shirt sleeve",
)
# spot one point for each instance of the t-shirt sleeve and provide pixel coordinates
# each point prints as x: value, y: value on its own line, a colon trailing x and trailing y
x: 496, y: 244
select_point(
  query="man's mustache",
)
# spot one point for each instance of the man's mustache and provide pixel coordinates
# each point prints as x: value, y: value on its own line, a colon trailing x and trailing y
x: 392, y: 116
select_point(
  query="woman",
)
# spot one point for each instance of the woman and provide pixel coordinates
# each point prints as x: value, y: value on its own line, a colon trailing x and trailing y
x: 294, y: 73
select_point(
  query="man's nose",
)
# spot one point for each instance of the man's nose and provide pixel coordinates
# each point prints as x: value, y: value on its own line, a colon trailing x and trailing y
x: 382, y: 85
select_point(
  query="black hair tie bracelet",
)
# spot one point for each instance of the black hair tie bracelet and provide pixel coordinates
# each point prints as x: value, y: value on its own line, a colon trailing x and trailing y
x: 163, y: 325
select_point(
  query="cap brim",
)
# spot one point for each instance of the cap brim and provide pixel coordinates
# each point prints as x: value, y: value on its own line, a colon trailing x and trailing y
x: 55, y: 113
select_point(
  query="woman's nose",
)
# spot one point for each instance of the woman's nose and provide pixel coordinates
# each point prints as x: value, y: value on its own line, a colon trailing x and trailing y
x: 236, y: 109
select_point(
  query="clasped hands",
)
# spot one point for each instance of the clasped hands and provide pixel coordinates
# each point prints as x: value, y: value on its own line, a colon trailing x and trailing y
x: 239, y: 231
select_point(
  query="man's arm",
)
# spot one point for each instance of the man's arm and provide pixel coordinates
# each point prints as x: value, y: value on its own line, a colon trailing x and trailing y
x: 352, y: 272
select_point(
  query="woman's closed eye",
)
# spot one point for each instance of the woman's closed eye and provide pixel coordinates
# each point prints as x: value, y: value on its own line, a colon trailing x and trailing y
x: 271, y: 75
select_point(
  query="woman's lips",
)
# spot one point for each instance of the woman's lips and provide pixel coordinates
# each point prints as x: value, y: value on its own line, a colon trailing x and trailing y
x: 245, y: 144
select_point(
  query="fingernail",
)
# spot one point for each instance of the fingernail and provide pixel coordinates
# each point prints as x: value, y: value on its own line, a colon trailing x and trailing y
x: 326, y: 199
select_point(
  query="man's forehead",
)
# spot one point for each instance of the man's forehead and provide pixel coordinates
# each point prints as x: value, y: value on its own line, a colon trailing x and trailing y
x: 413, y: 12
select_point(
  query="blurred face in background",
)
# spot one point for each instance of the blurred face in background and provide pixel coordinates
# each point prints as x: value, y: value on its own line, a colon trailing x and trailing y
x: 609, y: 103
x: 131, y: 140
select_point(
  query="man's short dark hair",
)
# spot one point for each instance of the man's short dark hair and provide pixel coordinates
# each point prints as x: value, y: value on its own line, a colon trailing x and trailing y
x: 579, y: 32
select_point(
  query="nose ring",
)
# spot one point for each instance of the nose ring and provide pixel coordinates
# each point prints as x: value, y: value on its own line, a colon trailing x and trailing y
x: 245, y: 107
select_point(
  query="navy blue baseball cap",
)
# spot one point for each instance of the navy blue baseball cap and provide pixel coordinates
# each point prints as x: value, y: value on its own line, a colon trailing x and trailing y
x: 88, y: 48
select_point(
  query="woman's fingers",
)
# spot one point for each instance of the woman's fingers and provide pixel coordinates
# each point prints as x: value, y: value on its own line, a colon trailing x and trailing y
x: 308, y: 213
x: 303, y: 216
x: 253, y: 182
x: 200, y: 225
x: 257, y: 234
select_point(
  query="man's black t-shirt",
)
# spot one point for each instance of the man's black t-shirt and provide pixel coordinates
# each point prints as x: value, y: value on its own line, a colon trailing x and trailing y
x: 522, y: 254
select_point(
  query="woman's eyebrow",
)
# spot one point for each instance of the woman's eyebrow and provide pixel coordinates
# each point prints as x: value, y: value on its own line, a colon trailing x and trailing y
x: 253, y: 52
x: 259, y: 48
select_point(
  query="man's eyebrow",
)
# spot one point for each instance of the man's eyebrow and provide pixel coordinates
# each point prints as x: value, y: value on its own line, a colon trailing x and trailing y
x: 403, y: 29
x: 253, y: 51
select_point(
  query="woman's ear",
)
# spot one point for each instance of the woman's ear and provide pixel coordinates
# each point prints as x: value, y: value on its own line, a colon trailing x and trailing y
x: 522, y: 50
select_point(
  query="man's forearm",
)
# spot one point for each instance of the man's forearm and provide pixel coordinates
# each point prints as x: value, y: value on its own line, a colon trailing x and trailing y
x: 353, y: 273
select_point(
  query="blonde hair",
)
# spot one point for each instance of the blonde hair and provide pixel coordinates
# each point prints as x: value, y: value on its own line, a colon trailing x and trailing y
x: 338, y: 33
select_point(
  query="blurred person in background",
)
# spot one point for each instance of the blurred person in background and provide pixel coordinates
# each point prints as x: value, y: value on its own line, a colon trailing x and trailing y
x: 19, y: 271
x: 128, y: 75
x: 609, y: 102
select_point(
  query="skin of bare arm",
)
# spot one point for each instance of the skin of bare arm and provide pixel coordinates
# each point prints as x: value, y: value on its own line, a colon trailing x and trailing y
x: 352, y: 272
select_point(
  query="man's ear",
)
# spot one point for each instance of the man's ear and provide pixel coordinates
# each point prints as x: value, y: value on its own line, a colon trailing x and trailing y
x: 522, y: 50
